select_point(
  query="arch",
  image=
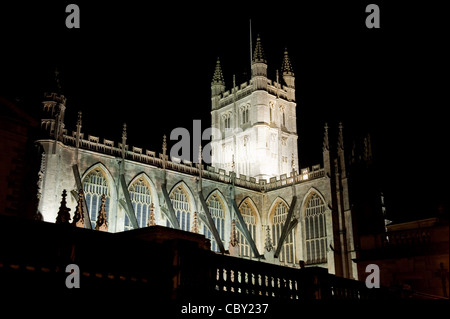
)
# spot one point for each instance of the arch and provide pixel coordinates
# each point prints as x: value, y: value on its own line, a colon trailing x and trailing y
x: 188, y: 190
x: 142, y: 200
x: 153, y: 188
x: 275, y: 202
x: 253, y: 206
x: 96, y: 181
x: 224, y: 202
x: 244, y: 113
x: 277, y: 217
x: 219, y: 211
x: 183, y: 204
x: 315, y: 227
x: 249, y: 213
x: 101, y: 166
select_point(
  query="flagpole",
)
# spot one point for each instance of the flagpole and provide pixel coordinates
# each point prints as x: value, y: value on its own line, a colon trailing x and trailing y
x: 251, y: 47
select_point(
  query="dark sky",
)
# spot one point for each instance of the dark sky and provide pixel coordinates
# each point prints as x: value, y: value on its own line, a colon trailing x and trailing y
x: 151, y: 67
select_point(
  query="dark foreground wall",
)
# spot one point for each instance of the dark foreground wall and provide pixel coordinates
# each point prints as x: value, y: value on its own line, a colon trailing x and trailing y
x: 156, y: 264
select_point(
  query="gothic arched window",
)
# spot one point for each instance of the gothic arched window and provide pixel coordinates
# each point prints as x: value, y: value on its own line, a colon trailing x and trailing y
x: 315, y: 231
x: 141, y: 201
x: 217, y: 213
x: 94, y: 186
x: 271, y: 108
x: 227, y: 121
x: 181, y: 207
x: 250, y: 222
x: 245, y: 114
x: 279, y: 217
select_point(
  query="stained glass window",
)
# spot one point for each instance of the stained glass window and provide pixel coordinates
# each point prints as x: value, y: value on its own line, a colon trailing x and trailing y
x: 217, y: 213
x: 250, y: 222
x: 94, y: 186
x: 279, y: 218
x: 181, y: 207
x: 141, y: 201
x: 315, y: 231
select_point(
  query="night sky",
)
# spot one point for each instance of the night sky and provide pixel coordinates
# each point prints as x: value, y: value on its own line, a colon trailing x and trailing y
x: 151, y: 66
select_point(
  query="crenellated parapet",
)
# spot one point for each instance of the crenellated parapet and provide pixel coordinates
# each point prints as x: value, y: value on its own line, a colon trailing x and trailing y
x: 143, y: 156
x: 247, y: 88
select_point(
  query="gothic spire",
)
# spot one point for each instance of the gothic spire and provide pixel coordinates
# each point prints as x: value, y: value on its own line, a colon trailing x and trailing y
x: 268, y: 246
x: 124, y: 139
x: 286, y: 67
x: 258, y: 56
x: 102, y: 220
x: 218, y: 75
x: 78, y: 218
x: 124, y: 132
x: 63, y: 216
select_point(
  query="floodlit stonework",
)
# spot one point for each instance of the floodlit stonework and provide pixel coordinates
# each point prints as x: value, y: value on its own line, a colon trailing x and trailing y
x: 291, y: 214
x: 256, y: 121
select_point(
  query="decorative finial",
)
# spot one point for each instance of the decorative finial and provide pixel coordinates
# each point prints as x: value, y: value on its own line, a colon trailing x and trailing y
x: 218, y: 75
x: 79, y: 119
x: 151, y: 217
x: 234, y: 241
x: 164, y: 146
x: 102, y: 220
x: 63, y: 216
x: 258, y: 56
x: 268, y: 241
x: 124, y: 131
x: 195, y: 227
x: 326, y: 145
x: 164, y: 150
x: 286, y: 67
x: 124, y: 139
x: 341, y: 136
x: 200, y: 159
x: 78, y: 218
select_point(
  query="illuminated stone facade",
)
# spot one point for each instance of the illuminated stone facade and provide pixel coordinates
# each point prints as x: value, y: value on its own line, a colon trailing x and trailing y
x: 264, y: 187
x: 255, y: 122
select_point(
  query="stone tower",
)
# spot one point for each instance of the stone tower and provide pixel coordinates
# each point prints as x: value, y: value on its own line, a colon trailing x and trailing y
x: 54, y: 107
x: 254, y: 123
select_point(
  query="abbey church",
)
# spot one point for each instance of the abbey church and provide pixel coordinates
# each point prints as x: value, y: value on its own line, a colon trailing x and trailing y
x: 253, y: 201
